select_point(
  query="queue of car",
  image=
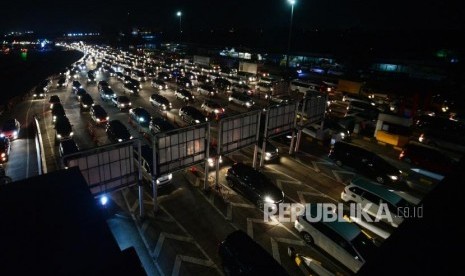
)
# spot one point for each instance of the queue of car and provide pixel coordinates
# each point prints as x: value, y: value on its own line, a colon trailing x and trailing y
x: 345, y: 241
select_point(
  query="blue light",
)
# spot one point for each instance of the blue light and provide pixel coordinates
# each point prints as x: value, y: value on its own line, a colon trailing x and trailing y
x: 103, y: 200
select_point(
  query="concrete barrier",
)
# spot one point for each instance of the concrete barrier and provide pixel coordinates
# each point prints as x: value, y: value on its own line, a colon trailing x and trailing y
x: 40, y: 147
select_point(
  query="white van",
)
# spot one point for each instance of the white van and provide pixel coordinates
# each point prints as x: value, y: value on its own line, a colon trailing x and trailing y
x: 341, y: 239
x: 366, y: 192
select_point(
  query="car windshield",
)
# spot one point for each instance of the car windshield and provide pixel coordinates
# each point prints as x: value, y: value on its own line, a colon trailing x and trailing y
x: 123, y: 99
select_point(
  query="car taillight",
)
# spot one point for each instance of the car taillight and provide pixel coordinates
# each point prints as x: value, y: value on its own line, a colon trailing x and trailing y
x: 401, y: 155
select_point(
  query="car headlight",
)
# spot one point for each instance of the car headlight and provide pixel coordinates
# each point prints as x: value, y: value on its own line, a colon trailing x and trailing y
x: 197, y: 121
x: 15, y: 133
x: 343, y: 135
x: 3, y: 154
x: 216, y: 111
x: 85, y: 105
x: 71, y: 133
x: 211, y: 163
x: 59, y: 136
x: 120, y: 140
x: 130, y: 137
x: 2, y: 135
x: 35, y: 95
x: 277, y: 150
x: 129, y: 103
x: 268, y: 199
x: 393, y: 177
x: 421, y: 138
x: 268, y: 154
x: 141, y: 119
x: 248, y: 104
x: 107, y: 118
x: 122, y: 105
x: 98, y: 120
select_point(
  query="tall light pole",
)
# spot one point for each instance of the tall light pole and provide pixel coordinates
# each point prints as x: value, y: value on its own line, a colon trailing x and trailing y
x: 292, y: 2
x: 179, y: 14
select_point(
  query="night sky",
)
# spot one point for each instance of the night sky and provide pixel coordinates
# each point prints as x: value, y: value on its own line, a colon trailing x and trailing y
x: 87, y: 15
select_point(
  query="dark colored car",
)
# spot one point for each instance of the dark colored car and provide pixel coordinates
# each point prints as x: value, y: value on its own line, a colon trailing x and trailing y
x: 98, y: 114
x: 241, y: 255
x: 117, y: 131
x: 241, y: 99
x: 164, y: 76
x: 102, y: 84
x: 121, y: 102
x: 158, y: 124
x: 192, y: 115
x: 222, y: 84
x: 120, y: 76
x: 140, y: 116
x: 365, y: 162
x: 207, y: 90
x: 106, y: 93
x: 62, y: 81
x: 4, y: 149
x: 254, y: 185
x: 427, y: 158
x: 67, y: 147
x: 76, y: 85
x: 63, y: 129
x: 131, y: 88
x: 80, y: 92
x: 54, y: 100
x: 10, y: 129
x: 160, y: 102
x: 203, y: 79
x: 159, y: 84
x: 91, y: 76
x: 184, y: 95
x: 86, y: 102
x: 184, y: 82
x: 39, y: 93
x: 57, y: 111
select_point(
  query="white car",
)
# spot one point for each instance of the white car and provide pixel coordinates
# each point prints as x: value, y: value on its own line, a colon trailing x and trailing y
x: 341, y: 239
x: 212, y: 108
x: 241, y: 99
x: 370, y: 195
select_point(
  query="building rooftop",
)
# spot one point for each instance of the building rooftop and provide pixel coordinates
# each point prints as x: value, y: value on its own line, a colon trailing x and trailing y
x: 52, y: 225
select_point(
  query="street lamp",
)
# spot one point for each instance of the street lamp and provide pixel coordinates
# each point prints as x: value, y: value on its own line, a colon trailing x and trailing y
x: 179, y: 14
x: 292, y: 2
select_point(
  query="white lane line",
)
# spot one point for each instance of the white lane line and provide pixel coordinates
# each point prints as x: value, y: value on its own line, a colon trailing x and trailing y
x: 196, y: 244
x: 124, y: 192
x: 313, y: 188
x: 275, y: 250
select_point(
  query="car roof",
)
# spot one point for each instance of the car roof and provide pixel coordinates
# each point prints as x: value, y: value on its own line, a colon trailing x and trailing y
x: 376, y: 189
x: 345, y: 229
x: 163, y: 124
x: 123, y: 98
x: 98, y: 108
x: 212, y: 103
x: 116, y: 123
